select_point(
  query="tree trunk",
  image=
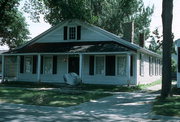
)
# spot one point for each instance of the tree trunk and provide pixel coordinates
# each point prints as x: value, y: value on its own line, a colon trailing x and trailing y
x: 167, y: 16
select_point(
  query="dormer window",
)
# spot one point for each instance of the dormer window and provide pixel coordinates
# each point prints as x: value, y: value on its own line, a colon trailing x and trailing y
x: 72, y: 33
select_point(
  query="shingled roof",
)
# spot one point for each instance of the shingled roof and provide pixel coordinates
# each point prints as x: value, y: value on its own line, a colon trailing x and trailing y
x: 72, y: 47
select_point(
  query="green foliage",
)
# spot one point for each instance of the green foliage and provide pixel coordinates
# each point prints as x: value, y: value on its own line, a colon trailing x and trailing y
x: 107, y: 14
x: 156, y: 42
x: 13, y: 28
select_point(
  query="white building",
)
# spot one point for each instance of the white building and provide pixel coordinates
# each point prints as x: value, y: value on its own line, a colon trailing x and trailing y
x: 98, y: 56
x: 178, y: 62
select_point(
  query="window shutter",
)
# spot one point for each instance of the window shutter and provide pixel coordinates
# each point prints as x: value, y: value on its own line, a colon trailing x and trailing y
x: 131, y: 70
x: 78, y: 32
x: 91, y: 65
x: 34, y: 64
x: 21, y: 64
x: 65, y: 32
x: 42, y: 64
x: 110, y: 65
x: 178, y: 59
x: 54, y: 64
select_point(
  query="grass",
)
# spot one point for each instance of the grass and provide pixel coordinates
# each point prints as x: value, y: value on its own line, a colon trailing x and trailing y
x: 169, y: 106
x: 87, y: 87
x: 47, y: 97
x: 109, y: 88
x: 28, y: 84
x: 144, y: 86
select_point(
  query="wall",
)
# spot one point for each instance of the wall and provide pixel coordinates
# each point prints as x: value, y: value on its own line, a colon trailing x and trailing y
x: 146, y: 78
x: 87, y: 34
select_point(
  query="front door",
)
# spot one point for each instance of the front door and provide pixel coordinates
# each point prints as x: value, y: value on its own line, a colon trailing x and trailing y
x: 73, y: 65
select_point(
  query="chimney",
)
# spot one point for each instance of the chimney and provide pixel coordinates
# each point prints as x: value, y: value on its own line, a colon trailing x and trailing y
x: 128, y: 31
x: 141, y: 39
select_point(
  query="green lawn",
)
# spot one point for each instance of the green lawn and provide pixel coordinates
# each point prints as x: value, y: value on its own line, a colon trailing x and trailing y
x: 109, y: 88
x: 47, y: 97
x: 167, y: 107
x: 144, y: 86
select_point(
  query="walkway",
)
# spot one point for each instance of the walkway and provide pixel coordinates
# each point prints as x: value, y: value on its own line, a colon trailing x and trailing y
x: 134, y: 107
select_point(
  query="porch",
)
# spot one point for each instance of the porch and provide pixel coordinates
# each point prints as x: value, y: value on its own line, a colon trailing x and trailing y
x: 93, y: 68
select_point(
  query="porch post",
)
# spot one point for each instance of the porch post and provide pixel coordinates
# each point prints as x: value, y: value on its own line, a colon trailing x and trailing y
x: 39, y: 68
x: 80, y: 65
x: 128, y: 69
x: 3, y: 68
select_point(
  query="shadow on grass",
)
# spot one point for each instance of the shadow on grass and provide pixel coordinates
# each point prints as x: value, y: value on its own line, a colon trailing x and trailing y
x: 47, y: 97
x: 168, y: 107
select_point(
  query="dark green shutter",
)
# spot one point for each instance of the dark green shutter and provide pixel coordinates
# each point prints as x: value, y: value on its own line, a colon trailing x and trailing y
x: 78, y: 32
x: 21, y: 64
x: 131, y: 70
x: 91, y: 65
x: 178, y: 59
x: 42, y: 64
x: 54, y: 64
x: 65, y: 32
x: 110, y: 65
x: 34, y: 64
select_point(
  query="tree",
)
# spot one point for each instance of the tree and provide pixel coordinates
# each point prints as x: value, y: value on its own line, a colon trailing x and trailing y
x: 13, y: 29
x: 98, y: 12
x: 156, y: 42
x: 167, y: 16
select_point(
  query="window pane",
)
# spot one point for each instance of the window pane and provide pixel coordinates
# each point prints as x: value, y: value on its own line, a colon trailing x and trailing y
x: 121, y: 65
x: 47, y: 65
x: 72, y: 33
x: 100, y: 65
x: 28, y: 65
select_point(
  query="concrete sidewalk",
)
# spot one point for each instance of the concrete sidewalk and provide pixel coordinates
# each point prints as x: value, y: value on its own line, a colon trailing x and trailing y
x: 134, y: 107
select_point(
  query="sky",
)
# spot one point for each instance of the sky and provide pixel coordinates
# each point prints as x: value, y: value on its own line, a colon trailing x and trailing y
x: 37, y: 28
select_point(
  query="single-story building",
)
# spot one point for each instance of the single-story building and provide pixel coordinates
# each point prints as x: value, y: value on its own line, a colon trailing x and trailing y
x: 96, y: 55
x: 177, y: 43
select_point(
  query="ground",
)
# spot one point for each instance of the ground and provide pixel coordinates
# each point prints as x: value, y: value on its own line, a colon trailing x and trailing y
x: 122, y: 106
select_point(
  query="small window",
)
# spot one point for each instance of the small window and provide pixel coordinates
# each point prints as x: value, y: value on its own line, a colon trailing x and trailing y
x: 121, y: 65
x: 150, y: 66
x: 100, y: 65
x: 28, y: 64
x: 48, y: 64
x: 141, y: 64
x: 72, y: 33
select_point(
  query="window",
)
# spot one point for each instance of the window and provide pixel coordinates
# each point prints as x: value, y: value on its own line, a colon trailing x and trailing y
x: 141, y: 64
x: 72, y: 33
x: 99, y: 65
x: 48, y: 64
x: 28, y: 64
x: 121, y: 65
